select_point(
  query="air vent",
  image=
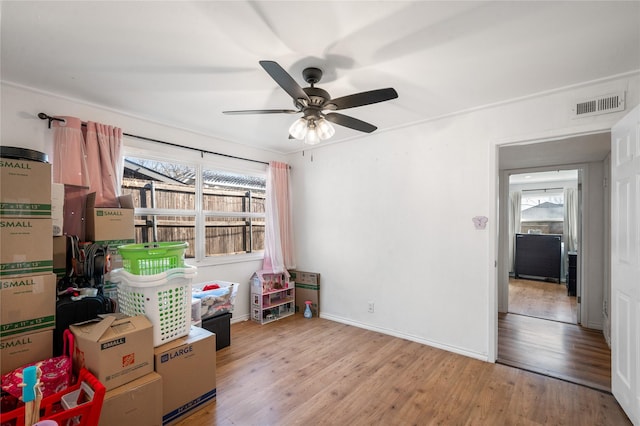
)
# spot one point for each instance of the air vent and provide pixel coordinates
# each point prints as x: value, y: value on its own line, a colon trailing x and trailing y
x: 599, y: 105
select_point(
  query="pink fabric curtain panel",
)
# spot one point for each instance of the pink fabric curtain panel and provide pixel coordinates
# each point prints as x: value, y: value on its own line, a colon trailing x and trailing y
x: 104, y: 147
x: 69, y: 154
x: 278, y: 244
x: 70, y: 169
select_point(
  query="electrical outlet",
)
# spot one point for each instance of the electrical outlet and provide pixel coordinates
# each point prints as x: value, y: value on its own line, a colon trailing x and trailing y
x: 370, y: 307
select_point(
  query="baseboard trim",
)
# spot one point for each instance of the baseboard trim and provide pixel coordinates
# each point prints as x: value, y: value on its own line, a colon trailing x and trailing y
x: 394, y: 333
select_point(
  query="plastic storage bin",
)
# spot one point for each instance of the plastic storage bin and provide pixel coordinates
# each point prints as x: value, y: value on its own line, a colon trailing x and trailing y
x: 165, y: 299
x: 52, y: 407
x: 152, y: 258
x: 216, y: 301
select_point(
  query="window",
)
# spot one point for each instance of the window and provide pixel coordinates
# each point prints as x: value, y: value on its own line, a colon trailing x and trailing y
x: 221, y: 214
x: 542, y: 212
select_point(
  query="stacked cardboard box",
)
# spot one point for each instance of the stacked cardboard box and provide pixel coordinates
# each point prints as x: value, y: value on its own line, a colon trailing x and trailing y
x: 188, y: 369
x: 134, y: 403
x: 111, y: 227
x: 147, y: 385
x: 28, y: 285
x: 118, y: 350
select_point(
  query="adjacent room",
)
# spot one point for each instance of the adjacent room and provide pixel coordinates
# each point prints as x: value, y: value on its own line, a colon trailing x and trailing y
x: 356, y: 212
x: 542, y: 279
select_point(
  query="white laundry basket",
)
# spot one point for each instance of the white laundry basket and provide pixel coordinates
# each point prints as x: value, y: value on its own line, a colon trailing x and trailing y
x: 165, y: 299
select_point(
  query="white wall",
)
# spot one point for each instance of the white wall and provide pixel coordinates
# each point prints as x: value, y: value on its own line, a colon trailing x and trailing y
x: 387, y: 218
x: 21, y: 127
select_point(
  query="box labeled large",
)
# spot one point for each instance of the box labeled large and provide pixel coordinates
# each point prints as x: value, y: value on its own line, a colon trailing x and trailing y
x: 115, y: 348
x: 25, y: 246
x: 134, y: 403
x: 188, y: 369
x: 16, y: 351
x: 307, y: 288
x: 25, y: 188
x: 112, y: 226
x: 27, y: 304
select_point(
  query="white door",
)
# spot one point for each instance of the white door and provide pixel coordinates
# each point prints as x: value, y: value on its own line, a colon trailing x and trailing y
x: 625, y: 264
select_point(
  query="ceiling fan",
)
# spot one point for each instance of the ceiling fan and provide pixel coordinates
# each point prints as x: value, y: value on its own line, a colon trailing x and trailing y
x: 316, y: 105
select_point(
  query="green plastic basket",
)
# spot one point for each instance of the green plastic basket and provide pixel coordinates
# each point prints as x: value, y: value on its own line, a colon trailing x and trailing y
x: 152, y: 258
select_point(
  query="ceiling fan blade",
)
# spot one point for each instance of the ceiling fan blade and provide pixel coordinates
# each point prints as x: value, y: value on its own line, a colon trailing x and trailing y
x: 353, y: 123
x: 362, y: 98
x: 262, y: 111
x: 284, y: 80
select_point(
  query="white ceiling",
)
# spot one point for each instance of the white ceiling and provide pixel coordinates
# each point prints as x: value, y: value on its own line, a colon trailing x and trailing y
x: 184, y: 62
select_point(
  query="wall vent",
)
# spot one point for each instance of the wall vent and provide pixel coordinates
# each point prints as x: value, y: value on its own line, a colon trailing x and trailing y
x: 599, y: 105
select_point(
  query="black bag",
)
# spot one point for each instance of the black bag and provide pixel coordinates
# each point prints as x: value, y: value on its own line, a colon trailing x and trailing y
x: 69, y: 311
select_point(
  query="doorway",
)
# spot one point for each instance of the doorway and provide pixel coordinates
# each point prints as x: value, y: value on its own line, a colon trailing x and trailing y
x: 544, y: 207
x: 586, y: 152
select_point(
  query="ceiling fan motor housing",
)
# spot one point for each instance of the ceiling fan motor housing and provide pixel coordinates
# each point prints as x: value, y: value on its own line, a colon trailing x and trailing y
x: 317, y: 97
x: 312, y: 75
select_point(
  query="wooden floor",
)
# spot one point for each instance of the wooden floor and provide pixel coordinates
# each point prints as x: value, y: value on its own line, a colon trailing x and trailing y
x: 565, y: 351
x: 542, y: 299
x: 300, y: 371
x: 541, y: 334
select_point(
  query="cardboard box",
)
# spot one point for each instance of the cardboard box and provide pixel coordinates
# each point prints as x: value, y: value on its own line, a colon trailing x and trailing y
x: 188, y: 369
x: 27, y: 304
x: 57, y: 208
x: 25, y: 246
x: 25, y: 188
x: 307, y: 288
x: 75, y: 206
x: 16, y: 351
x: 112, y: 226
x: 134, y: 403
x: 60, y: 252
x: 115, y: 348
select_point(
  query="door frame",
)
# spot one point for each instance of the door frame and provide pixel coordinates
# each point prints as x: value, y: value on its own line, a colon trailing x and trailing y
x: 499, y: 242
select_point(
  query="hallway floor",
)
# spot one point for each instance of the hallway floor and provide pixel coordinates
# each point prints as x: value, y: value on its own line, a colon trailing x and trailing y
x: 542, y: 299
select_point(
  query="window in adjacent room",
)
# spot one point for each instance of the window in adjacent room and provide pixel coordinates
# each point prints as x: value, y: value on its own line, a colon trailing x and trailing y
x: 542, y: 211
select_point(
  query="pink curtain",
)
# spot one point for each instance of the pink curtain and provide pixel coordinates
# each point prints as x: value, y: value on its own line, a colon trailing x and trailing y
x: 70, y: 169
x: 69, y: 154
x: 278, y: 244
x: 104, y: 147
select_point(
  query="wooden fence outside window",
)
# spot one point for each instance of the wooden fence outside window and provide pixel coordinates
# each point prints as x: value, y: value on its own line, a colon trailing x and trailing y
x: 224, y: 235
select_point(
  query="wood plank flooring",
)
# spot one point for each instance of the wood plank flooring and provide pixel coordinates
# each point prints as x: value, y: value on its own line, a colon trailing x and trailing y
x: 300, y: 371
x: 565, y: 351
x: 542, y: 299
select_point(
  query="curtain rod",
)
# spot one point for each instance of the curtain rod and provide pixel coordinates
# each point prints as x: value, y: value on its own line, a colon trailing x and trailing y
x: 540, y: 189
x: 44, y: 116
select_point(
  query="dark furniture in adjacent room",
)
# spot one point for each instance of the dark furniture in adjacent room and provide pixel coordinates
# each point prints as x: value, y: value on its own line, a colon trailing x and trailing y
x: 572, y: 273
x: 538, y: 256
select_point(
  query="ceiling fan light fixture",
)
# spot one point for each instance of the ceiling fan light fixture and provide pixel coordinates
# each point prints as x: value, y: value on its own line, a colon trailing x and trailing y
x: 325, y: 129
x: 312, y: 136
x: 299, y: 128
